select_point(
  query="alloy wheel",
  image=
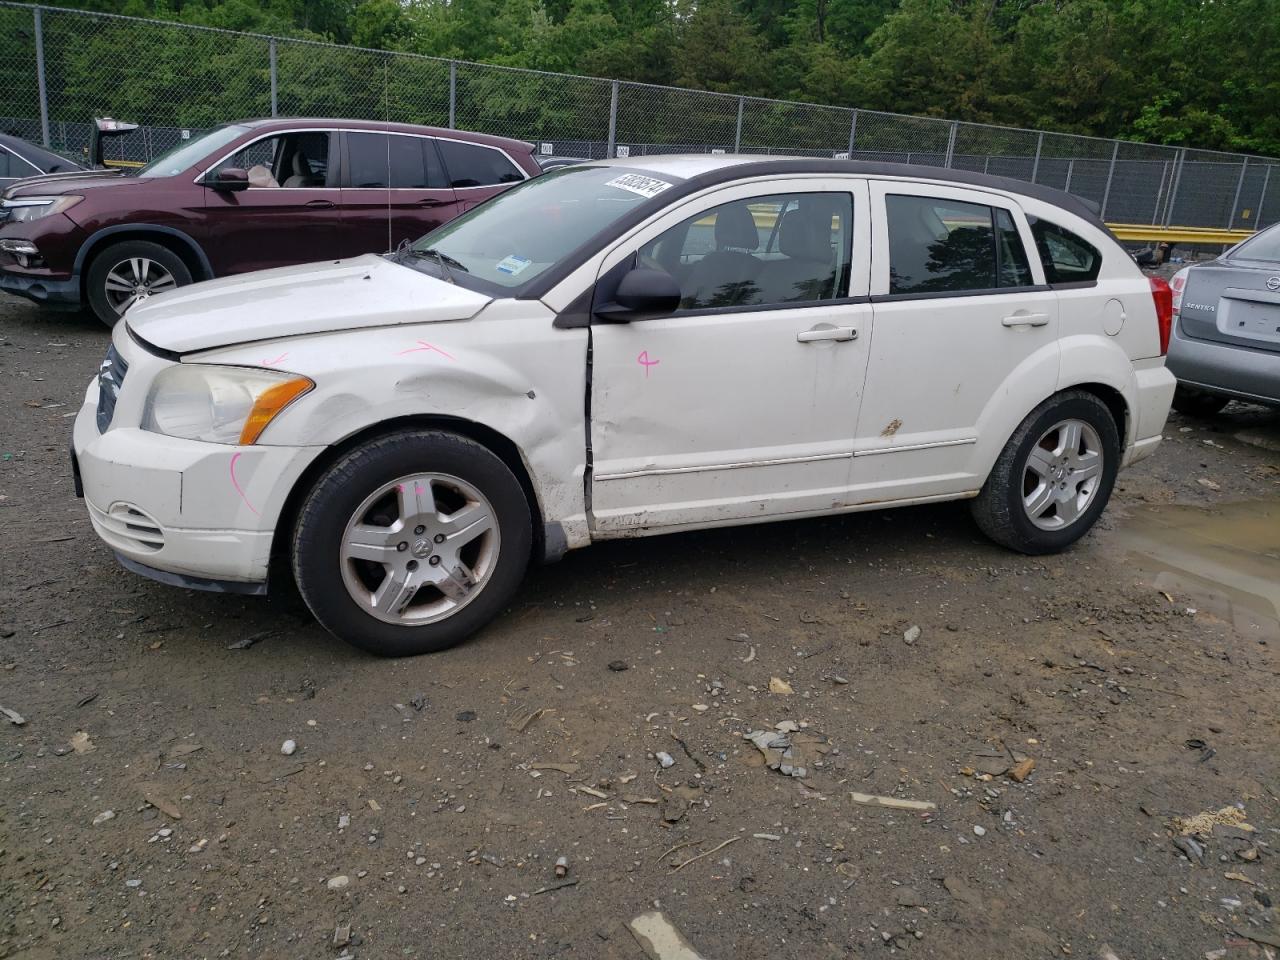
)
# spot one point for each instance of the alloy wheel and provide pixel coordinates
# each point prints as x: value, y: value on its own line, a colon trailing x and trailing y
x: 136, y: 279
x: 1062, y: 474
x: 419, y: 548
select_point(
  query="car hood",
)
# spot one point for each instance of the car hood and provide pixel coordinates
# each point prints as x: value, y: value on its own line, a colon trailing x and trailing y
x: 71, y: 181
x: 367, y: 291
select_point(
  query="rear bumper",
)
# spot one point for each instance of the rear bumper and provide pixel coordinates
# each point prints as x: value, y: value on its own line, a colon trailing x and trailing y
x: 46, y: 291
x: 1230, y: 370
x: 1154, y: 386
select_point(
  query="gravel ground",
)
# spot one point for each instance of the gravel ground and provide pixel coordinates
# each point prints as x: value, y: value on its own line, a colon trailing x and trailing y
x: 147, y: 810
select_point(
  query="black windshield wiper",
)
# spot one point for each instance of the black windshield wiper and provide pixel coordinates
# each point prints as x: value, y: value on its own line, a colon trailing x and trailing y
x: 442, y: 258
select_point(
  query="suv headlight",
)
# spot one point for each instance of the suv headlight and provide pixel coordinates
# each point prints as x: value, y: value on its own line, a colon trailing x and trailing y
x: 22, y: 209
x: 219, y: 404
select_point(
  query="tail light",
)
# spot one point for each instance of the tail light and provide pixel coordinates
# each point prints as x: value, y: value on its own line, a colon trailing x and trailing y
x: 1162, y: 295
x: 1179, y: 285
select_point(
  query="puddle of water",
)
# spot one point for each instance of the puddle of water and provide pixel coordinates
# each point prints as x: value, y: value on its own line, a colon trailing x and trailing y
x: 1224, y: 560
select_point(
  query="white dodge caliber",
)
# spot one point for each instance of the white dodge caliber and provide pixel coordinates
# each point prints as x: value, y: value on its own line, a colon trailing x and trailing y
x: 616, y: 350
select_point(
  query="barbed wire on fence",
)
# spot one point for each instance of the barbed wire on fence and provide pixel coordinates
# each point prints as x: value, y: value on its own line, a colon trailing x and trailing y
x: 61, y: 67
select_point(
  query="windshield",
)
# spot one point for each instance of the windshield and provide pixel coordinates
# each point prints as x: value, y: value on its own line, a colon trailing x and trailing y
x: 1262, y: 246
x: 524, y: 232
x: 189, y: 152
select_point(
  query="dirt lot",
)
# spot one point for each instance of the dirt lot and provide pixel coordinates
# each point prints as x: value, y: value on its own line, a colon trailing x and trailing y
x: 1138, y: 670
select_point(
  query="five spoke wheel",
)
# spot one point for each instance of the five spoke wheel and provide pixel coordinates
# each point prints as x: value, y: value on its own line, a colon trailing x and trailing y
x: 1062, y: 474
x: 419, y: 548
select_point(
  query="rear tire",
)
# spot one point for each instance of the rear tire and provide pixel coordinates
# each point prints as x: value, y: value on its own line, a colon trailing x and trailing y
x: 1054, y: 476
x: 1198, y: 403
x: 126, y: 272
x: 412, y: 542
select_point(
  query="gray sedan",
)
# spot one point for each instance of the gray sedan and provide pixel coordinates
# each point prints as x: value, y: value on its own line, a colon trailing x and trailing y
x: 1226, y: 332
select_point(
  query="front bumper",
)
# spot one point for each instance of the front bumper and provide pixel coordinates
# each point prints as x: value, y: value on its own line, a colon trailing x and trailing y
x: 198, y: 514
x: 47, y: 291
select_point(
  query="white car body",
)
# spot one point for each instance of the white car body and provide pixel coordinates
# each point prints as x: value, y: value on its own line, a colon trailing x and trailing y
x: 691, y: 422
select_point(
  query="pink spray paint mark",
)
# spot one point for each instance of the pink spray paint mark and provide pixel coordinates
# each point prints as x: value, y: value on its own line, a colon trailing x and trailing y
x: 424, y: 346
x: 239, y: 489
x: 272, y: 363
x: 644, y: 361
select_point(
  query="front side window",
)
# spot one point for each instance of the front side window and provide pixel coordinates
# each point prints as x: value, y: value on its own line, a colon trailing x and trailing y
x: 783, y: 248
x: 471, y: 165
x: 1066, y: 257
x: 942, y: 246
x: 286, y: 160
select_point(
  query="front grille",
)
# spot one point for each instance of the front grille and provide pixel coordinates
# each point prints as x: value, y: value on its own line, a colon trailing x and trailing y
x: 125, y: 525
x: 110, y: 380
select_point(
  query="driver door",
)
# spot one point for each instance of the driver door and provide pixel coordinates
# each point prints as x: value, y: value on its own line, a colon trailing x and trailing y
x: 742, y: 403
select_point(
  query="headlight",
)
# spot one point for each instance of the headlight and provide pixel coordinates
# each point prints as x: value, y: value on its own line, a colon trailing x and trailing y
x: 22, y: 209
x: 219, y: 404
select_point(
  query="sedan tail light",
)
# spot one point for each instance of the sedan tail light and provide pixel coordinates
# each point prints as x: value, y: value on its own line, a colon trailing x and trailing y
x: 1162, y: 294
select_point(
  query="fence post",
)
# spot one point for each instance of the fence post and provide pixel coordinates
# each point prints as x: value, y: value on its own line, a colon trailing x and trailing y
x: 44, y: 92
x: 951, y: 142
x: 613, y: 117
x: 453, y: 94
x: 1262, y: 197
x: 737, y: 133
x: 1155, y: 210
x: 1177, y: 181
x: 1235, y: 201
x: 1111, y: 173
x: 853, y: 131
x: 1071, y: 168
x: 271, y: 53
x: 1035, y: 164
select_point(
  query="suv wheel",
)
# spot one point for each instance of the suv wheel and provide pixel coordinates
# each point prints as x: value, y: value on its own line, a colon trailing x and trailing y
x: 1198, y: 403
x: 411, y: 542
x: 1054, y: 476
x: 127, y: 272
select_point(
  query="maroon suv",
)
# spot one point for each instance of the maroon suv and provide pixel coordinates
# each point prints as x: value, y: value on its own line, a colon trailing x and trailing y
x: 245, y: 196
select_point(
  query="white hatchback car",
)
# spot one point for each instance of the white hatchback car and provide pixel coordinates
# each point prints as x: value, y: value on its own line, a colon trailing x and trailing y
x: 615, y: 350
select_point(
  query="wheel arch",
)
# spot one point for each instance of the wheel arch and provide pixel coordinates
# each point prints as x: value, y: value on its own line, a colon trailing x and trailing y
x: 547, y: 541
x: 1115, y: 403
x: 181, y: 244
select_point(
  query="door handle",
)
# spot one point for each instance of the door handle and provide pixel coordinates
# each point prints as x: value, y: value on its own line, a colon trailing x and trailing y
x: 826, y: 333
x: 431, y: 202
x: 1026, y: 320
x: 319, y: 204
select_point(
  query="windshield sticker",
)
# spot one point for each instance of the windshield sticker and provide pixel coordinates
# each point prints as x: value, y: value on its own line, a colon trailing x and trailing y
x: 513, y: 265
x: 635, y: 183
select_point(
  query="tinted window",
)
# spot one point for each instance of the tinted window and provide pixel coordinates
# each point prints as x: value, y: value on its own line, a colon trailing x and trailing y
x: 948, y: 245
x: 1066, y: 257
x: 368, y: 159
x: 791, y: 248
x: 470, y: 165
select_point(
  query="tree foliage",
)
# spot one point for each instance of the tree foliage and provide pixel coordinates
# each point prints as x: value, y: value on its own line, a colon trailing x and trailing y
x: 1203, y: 73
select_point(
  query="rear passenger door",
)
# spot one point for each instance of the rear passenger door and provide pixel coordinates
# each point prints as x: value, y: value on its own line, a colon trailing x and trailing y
x: 393, y: 189
x: 476, y: 172
x: 959, y: 304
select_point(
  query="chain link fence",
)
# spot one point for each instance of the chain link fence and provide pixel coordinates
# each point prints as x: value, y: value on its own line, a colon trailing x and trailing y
x: 59, y: 68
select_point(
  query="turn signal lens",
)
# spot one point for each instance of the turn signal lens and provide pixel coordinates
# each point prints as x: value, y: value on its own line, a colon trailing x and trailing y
x: 269, y: 403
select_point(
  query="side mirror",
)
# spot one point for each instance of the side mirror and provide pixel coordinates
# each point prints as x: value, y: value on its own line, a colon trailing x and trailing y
x: 228, y: 179
x: 643, y: 292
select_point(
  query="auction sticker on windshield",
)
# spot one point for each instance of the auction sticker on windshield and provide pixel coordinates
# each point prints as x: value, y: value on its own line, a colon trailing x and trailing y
x: 513, y: 264
x: 636, y: 183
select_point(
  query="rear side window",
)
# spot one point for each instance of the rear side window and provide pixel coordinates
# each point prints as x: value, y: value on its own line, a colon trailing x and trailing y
x: 405, y: 163
x: 1066, y: 257
x: 471, y: 165
x: 945, y: 246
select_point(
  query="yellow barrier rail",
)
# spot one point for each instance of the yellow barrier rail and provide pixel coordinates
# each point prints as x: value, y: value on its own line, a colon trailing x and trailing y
x: 1205, y: 235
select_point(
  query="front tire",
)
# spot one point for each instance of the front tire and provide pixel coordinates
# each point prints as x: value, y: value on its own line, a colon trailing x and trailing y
x: 127, y: 272
x: 411, y: 542
x: 1054, y: 476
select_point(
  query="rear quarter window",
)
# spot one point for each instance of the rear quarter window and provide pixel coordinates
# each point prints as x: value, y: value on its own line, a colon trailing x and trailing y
x: 1067, y: 258
x: 471, y: 165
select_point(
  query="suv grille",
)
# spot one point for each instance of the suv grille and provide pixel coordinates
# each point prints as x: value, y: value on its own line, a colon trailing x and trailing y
x: 110, y: 379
